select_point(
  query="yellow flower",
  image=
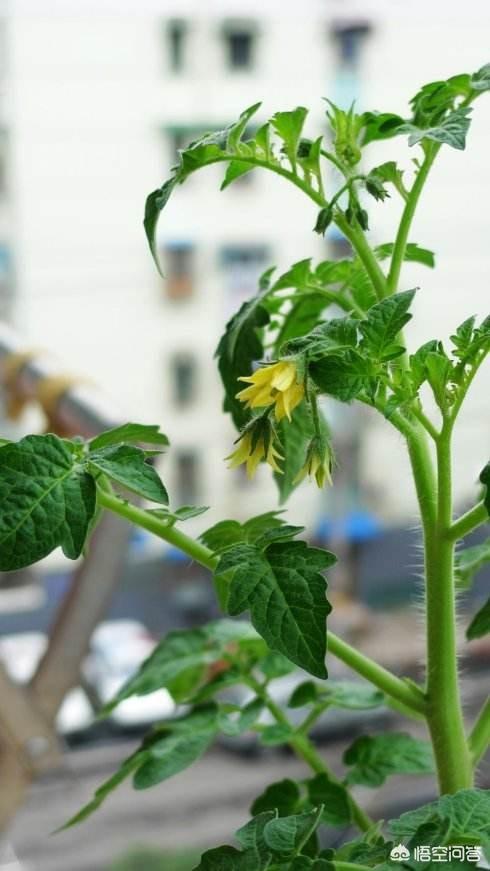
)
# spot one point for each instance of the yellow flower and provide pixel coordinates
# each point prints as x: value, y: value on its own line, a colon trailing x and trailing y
x: 318, y: 464
x: 252, y: 456
x: 276, y: 385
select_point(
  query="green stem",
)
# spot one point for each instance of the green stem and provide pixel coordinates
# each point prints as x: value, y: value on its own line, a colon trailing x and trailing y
x: 305, y: 749
x: 158, y: 527
x: 479, y: 738
x: 350, y: 866
x: 444, y: 712
x: 365, y: 253
x: 335, y: 298
x: 379, y: 676
x: 469, y: 521
x: 401, y: 240
x: 406, y: 693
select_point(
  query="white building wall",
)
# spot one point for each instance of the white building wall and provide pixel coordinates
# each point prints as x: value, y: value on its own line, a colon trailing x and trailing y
x: 89, y: 96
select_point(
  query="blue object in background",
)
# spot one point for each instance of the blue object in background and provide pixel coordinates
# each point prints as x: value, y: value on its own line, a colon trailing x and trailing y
x: 356, y: 526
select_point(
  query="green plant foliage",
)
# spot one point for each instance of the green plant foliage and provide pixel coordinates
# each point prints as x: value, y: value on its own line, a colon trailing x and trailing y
x: 469, y: 562
x: 281, y: 585
x: 480, y: 625
x: 374, y: 758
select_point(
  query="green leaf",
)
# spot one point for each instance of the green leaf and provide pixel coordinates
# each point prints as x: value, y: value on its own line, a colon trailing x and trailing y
x: 480, y: 81
x: 286, y: 835
x: 480, y: 625
x: 155, y: 202
x: 284, y: 590
x: 234, y: 723
x: 124, y: 770
x: 186, y: 740
x: 236, y: 131
x: 276, y: 665
x: 304, y: 694
x: 294, y: 436
x: 469, y: 340
x: 389, y: 173
x: 413, y: 253
x: 334, y: 798
x: 303, y: 315
x: 485, y: 480
x: 288, y: 126
x: 352, y: 695
x: 330, y: 337
x: 283, y: 797
x: 380, y: 125
x: 180, y: 661
x: 275, y: 735
x: 451, y: 130
x: 127, y: 465
x: 229, y: 859
x: 251, y: 836
x: 469, y: 561
x: 384, y: 322
x: 48, y: 500
x: 239, y: 347
x: 229, y: 532
x: 128, y: 433
x: 235, y: 169
x: 374, y: 758
x: 370, y: 849
x: 344, y: 377
x: 466, y: 815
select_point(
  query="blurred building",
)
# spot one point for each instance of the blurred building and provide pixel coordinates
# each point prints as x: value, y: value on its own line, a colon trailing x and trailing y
x: 96, y: 100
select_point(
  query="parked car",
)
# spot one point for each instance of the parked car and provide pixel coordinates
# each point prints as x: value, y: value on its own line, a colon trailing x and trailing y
x: 20, y: 654
x: 117, y: 649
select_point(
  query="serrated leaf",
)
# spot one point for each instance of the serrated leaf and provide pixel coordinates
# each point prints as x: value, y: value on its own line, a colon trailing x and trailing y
x: 413, y: 253
x: 124, y: 770
x: 155, y: 202
x: 384, y: 322
x: 229, y: 859
x: 288, y: 126
x: 235, y: 169
x: 186, y: 740
x: 334, y: 798
x: 344, y: 377
x: 128, y: 433
x: 451, y: 130
x: 229, y: 532
x: 480, y: 625
x: 127, y: 465
x: 380, y: 125
x: 251, y: 836
x: 480, y: 81
x: 238, y: 349
x: 374, y: 758
x: 282, y: 797
x: 180, y: 660
x: 388, y: 172
x: 369, y: 849
x: 330, y: 337
x: 469, y: 561
x: 294, y: 437
x: 48, y: 500
x: 466, y: 815
x: 236, y: 131
x: 285, y: 592
x: 286, y: 835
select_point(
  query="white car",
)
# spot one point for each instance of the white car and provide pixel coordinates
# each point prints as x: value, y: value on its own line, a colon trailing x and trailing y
x: 20, y: 654
x: 117, y: 649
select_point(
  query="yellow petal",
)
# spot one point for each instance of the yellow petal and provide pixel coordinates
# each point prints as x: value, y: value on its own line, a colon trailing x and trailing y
x: 284, y: 376
x: 255, y: 458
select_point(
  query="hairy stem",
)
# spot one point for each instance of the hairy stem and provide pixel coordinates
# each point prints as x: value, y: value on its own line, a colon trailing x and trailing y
x: 479, y: 738
x: 365, y: 253
x: 305, y: 749
x: 405, y: 693
x: 469, y: 521
x: 444, y: 712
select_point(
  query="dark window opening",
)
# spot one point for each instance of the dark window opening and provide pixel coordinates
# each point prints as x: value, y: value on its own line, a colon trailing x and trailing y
x: 349, y: 37
x: 187, y: 468
x: 179, y: 270
x: 183, y: 379
x: 239, y: 40
x: 176, y: 34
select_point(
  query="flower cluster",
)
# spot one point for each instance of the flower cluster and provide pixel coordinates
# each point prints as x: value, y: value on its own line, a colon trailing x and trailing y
x: 275, y: 385
x: 251, y: 450
x: 318, y: 463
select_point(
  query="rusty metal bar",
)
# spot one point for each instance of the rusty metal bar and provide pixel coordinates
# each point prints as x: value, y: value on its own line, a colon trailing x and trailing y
x: 28, y: 742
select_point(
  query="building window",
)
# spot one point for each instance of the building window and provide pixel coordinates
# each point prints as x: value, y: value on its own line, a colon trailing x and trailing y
x: 183, y: 368
x: 242, y: 266
x: 178, y: 268
x: 187, y: 472
x: 176, y: 39
x: 239, y: 38
x: 348, y: 37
